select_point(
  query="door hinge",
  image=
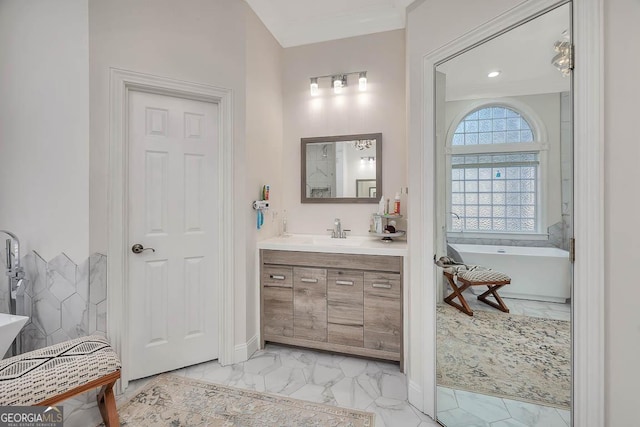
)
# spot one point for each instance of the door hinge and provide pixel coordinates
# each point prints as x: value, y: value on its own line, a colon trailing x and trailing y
x: 572, y: 61
x: 572, y: 250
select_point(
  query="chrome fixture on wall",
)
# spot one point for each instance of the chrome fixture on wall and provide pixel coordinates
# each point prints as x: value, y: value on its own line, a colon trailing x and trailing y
x: 15, y: 272
x: 338, y: 82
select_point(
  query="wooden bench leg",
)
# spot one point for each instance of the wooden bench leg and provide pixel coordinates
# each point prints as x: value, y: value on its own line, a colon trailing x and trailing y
x: 107, y: 405
x: 493, y: 290
x: 457, y: 293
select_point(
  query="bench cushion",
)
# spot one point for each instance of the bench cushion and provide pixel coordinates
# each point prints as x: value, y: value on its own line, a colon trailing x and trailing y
x: 484, y: 276
x: 32, y: 377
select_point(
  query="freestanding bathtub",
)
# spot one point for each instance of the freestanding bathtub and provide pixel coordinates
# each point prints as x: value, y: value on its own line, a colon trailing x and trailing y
x: 10, y: 326
x: 542, y: 274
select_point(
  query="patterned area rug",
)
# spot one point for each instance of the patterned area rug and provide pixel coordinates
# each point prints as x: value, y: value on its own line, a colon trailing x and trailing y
x: 175, y: 401
x: 516, y: 357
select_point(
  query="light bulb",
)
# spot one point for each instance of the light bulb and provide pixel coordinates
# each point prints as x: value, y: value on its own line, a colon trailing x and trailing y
x: 314, y: 86
x: 337, y: 84
x: 362, y: 81
x: 493, y: 74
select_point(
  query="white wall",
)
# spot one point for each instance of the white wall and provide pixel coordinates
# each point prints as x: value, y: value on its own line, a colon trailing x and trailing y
x: 380, y: 109
x: 264, y: 148
x: 44, y: 125
x: 194, y: 40
x: 546, y: 107
x: 622, y: 235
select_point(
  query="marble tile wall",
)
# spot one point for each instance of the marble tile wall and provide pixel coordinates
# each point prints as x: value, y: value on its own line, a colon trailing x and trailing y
x: 63, y: 300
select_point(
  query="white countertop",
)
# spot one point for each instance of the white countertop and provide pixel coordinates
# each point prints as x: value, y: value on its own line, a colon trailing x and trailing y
x: 365, y: 245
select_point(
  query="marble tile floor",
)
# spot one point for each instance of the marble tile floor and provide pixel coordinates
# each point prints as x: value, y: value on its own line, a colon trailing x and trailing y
x: 332, y: 379
x: 457, y: 408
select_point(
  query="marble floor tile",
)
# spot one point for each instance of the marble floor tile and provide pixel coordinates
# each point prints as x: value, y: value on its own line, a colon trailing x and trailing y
x: 348, y: 393
x: 351, y: 382
x: 394, y: 413
x: 446, y: 399
x: 457, y: 408
x: 489, y: 408
x: 534, y: 415
x: 460, y: 418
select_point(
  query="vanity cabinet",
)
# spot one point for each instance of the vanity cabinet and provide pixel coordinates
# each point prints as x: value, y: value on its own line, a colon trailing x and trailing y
x: 347, y: 303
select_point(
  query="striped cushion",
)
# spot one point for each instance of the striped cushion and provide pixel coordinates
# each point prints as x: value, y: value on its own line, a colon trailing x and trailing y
x: 42, y: 374
x: 489, y: 276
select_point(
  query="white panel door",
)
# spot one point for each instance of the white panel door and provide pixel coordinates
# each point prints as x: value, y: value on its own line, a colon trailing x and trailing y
x: 173, y: 193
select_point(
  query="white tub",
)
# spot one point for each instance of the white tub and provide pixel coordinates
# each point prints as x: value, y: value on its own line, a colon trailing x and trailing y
x: 542, y: 274
x: 10, y: 326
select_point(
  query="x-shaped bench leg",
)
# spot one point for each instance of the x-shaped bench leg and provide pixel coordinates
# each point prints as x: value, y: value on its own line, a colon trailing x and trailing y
x: 457, y: 293
x: 493, y: 290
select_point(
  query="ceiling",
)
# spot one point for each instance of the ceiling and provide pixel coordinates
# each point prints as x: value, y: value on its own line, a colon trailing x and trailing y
x: 298, y: 22
x: 523, y: 55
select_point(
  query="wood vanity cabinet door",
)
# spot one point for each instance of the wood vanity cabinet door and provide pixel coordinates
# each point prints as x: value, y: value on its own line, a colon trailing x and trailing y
x: 382, y: 311
x: 310, y: 303
x: 345, y: 305
x: 277, y: 301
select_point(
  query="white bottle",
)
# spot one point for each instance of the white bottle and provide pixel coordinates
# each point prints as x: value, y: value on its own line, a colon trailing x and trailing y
x: 381, y: 206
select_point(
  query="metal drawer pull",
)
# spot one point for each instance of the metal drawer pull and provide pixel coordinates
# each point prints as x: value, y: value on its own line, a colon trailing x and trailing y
x: 305, y: 280
x: 344, y: 282
x: 276, y: 276
x: 381, y: 285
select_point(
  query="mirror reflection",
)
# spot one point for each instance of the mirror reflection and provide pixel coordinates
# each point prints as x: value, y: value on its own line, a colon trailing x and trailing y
x: 504, y: 140
x: 344, y: 169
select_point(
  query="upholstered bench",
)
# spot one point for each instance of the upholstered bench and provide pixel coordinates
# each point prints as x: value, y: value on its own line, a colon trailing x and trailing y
x: 493, y: 280
x: 52, y: 374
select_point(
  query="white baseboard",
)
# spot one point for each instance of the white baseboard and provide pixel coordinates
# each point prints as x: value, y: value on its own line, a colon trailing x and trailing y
x: 243, y: 352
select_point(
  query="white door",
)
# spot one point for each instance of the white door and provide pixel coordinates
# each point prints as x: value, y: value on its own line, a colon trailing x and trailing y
x: 173, y: 192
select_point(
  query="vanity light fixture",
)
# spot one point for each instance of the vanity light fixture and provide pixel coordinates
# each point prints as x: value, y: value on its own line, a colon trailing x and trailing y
x: 362, y: 81
x: 494, y: 73
x: 338, y: 82
x: 314, y: 86
x: 365, y: 159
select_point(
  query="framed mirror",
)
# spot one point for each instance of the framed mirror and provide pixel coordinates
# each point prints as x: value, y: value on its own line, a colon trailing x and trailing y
x: 341, y: 169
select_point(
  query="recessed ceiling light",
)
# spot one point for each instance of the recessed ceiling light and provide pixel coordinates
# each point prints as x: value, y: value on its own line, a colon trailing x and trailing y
x: 493, y: 74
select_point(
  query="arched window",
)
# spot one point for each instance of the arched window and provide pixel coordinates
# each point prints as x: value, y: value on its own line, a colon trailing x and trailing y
x: 495, y: 173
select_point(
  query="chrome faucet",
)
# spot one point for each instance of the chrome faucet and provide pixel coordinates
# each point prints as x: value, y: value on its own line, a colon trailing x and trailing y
x: 16, y: 278
x: 459, y: 220
x: 14, y: 269
x: 337, y: 232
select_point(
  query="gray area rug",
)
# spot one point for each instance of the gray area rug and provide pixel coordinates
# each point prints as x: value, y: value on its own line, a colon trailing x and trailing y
x: 170, y: 400
x: 516, y: 357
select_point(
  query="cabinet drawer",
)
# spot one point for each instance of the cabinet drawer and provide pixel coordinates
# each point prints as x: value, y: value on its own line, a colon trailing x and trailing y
x: 277, y: 276
x: 382, y: 341
x: 382, y: 284
x: 345, y: 298
x: 310, y: 303
x: 345, y: 334
x: 277, y: 311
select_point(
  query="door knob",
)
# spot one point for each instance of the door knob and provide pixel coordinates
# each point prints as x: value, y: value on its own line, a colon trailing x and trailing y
x: 138, y: 249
